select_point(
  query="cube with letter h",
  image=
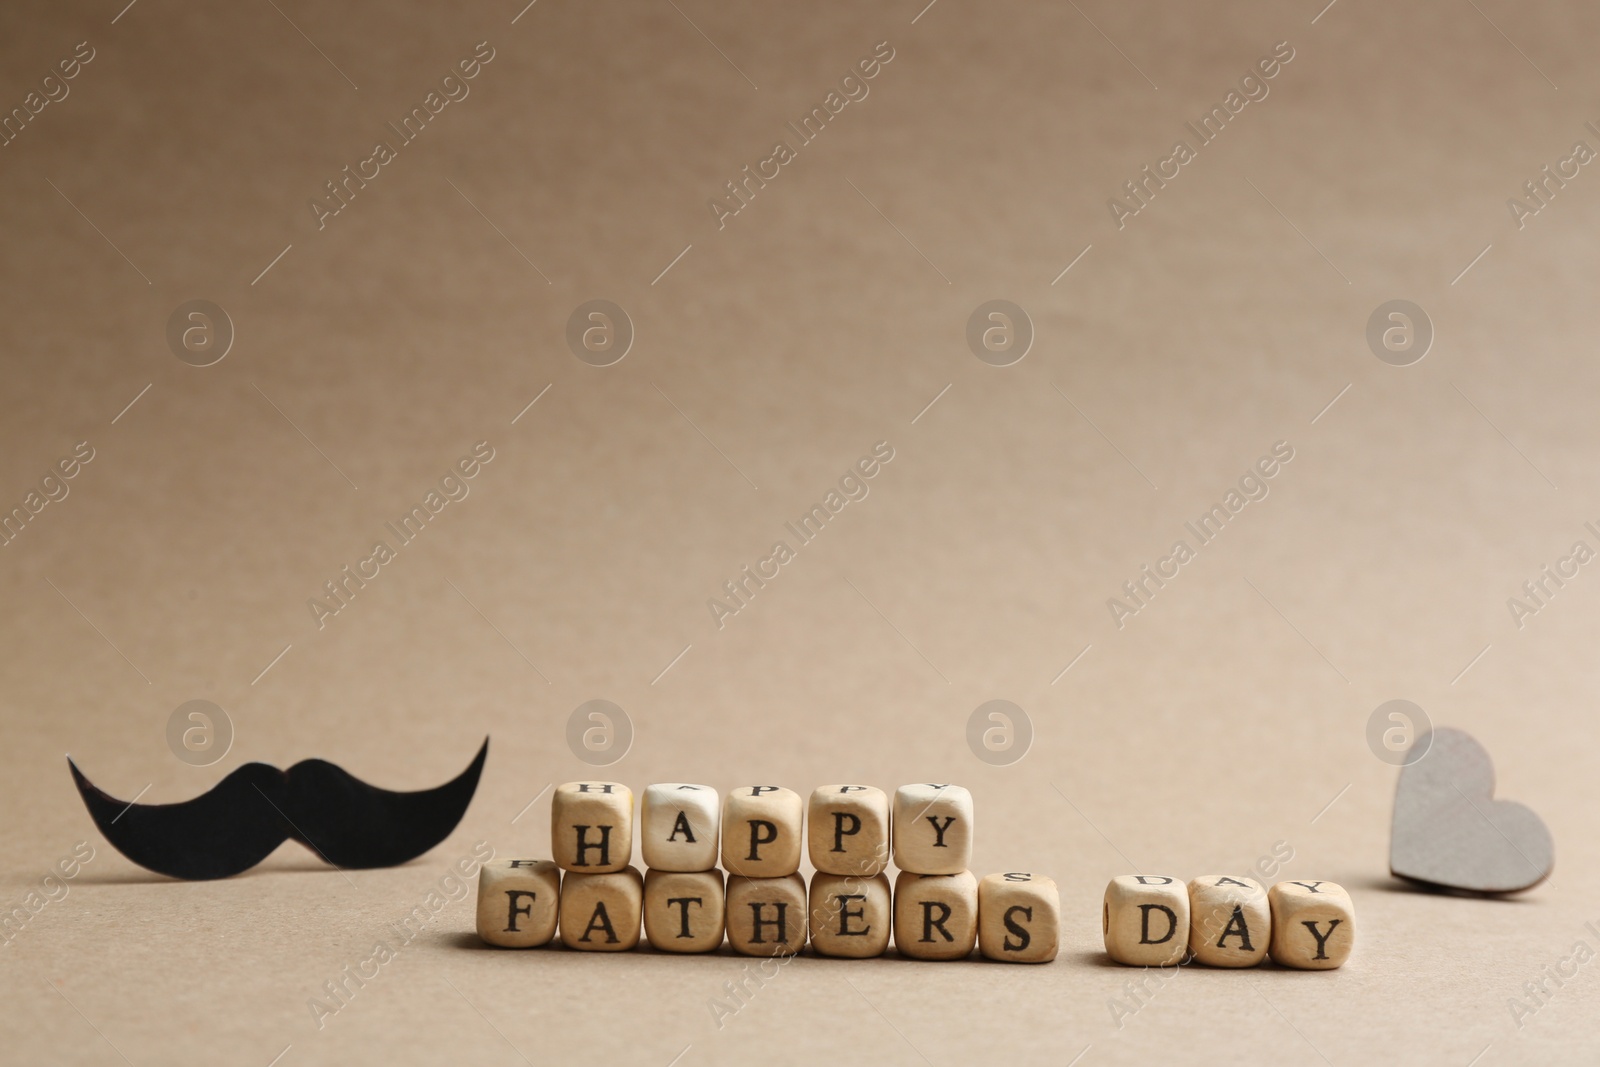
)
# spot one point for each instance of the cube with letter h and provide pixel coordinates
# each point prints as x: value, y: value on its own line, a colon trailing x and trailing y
x: 767, y: 916
x: 591, y: 827
x: 932, y: 828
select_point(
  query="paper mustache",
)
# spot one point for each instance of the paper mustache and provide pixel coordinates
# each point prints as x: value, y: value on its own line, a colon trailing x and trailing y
x: 257, y: 807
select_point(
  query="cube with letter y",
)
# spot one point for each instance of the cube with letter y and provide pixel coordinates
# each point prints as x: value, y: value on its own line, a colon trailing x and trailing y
x: 932, y: 828
x: 1313, y: 925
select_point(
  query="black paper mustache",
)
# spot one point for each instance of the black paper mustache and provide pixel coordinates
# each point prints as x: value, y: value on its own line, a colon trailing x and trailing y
x: 240, y: 820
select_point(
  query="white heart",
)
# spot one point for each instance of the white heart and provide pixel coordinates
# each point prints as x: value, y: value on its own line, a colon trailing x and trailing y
x: 1450, y: 831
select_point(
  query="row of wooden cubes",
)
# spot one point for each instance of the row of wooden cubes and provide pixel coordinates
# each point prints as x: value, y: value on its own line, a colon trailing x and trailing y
x: 1014, y: 917
x: 760, y: 829
x: 1223, y: 921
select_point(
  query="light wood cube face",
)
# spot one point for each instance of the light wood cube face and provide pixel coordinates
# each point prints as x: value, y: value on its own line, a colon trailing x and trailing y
x: 932, y: 828
x: 767, y: 916
x: 683, y: 910
x: 1230, y: 922
x: 851, y: 915
x: 1313, y: 924
x: 591, y: 827
x: 935, y: 915
x: 762, y: 827
x: 678, y: 826
x: 1145, y: 919
x: 601, y: 912
x: 518, y: 902
x: 848, y: 830
x: 1019, y: 917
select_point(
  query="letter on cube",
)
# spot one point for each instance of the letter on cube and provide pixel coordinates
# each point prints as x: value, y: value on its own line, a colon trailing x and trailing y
x: 591, y: 827
x: 1019, y: 917
x: 518, y: 901
x: 761, y: 831
x: 678, y: 827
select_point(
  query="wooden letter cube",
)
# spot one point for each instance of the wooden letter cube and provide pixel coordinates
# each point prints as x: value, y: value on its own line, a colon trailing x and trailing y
x: 591, y: 827
x: 851, y: 915
x: 600, y: 912
x: 932, y: 829
x: 1145, y: 920
x: 1019, y: 918
x: 683, y: 910
x: 848, y: 831
x: 1230, y: 923
x: 518, y: 901
x: 767, y: 916
x: 678, y: 827
x: 935, y: 915
x: 1313, y: 925
x: 761, y: 830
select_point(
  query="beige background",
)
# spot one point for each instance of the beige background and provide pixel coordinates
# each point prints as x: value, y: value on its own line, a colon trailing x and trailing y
x: 1219, y: 721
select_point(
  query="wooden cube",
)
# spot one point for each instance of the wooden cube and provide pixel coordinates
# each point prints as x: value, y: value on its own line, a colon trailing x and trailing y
x: 1145, y: 920
x: 591, y: 827
x: 761, y: 831
x: 518, y: 901
x: 683, y: 910
x: 1313, y: 925
x: 932, y: 829
x: 1019, y: 917
x: 1230, y: 922
x: 767, y: 916
x: 851, y: 915
x: 935, y: 915
x: 848, y: 830
x: 678, y: 827
x: 600, y: 912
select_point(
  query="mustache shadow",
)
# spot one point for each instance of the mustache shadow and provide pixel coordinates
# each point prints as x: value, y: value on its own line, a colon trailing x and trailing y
x: 239, y: 821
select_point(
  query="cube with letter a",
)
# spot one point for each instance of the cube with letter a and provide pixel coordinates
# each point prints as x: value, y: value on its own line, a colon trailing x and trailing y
x: 678, y: 826
x: 1230, y: 923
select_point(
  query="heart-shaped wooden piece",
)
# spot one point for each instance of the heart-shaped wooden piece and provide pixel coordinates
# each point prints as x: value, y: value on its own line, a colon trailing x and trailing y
x: 1450, y: 831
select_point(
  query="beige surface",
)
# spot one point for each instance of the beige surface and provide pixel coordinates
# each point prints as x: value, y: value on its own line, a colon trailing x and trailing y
x: 1219, y: 727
